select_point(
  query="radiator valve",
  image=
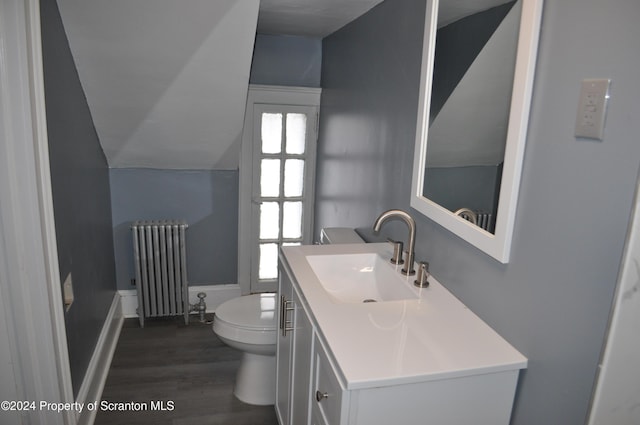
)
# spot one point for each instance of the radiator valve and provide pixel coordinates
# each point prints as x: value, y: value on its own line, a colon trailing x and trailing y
x: 200, y: 307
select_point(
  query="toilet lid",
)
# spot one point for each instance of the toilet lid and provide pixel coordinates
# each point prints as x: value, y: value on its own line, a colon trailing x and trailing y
x: 256, y: 311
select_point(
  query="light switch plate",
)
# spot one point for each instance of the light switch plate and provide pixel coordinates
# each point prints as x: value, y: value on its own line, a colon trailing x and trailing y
x: 592, y: 108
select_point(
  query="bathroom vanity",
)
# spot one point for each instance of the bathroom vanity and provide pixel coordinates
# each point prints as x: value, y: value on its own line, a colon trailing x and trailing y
x: 359, y: 344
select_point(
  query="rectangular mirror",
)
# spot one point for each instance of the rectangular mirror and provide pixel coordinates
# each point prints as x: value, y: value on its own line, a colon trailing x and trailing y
x: 478, y: 62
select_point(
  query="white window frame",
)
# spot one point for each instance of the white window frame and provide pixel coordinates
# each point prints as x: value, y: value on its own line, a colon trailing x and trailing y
x: 265, y: 95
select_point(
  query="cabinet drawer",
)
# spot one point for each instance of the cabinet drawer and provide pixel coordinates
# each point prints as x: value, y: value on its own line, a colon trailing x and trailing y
x: 328, y: 395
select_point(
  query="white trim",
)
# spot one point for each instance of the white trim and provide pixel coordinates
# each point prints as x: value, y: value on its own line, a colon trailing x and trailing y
x: 285, y: 95
x: 32, y: 299
x: 260, y: 94
x: 129, y: 302
x: 216, y: 295
x: 617, y: 387
x: 497, y: 245
x: 46, y: 200
x: 98, y: 369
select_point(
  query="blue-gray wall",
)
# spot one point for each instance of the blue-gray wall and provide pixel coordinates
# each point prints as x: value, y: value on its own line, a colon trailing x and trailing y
x: 284, y: 60
x: 81, y: 201
x: 553, y: 299
x: 370, y: 79
x: 206, y: 199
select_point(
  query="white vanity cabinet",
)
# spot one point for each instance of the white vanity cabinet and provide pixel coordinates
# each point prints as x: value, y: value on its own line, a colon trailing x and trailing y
x: 478, y: 400
x: 426, y: 360
x: 294, y: 355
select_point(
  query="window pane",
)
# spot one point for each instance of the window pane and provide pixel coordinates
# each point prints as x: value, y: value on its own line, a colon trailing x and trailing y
x: 271, y: 132
x: 268, y: 265
x: 270, y: 177
x: 296, y: 133
x: 293, y: 177
x: 292, y: 220
x: 269, y: 220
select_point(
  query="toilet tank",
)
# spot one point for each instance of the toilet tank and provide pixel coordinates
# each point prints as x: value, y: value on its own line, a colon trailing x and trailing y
x: 339, y: 235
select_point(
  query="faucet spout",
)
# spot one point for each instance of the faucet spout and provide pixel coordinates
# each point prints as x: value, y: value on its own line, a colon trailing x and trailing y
x: 410, y: 222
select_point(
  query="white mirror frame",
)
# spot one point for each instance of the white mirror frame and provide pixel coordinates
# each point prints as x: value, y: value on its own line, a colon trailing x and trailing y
x: 497, y: 245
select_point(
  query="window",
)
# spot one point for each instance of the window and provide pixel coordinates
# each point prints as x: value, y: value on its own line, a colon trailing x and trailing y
x: 282, y: 168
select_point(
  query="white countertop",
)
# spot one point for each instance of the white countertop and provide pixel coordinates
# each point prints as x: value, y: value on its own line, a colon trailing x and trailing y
x: 399, y: 342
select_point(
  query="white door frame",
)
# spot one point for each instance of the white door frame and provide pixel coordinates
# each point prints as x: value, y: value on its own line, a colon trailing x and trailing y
x: 260, y: 94
x: 617, y: 390
x: 32, y: 309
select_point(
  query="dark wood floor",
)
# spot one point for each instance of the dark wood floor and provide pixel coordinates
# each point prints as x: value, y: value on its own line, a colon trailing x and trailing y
x: 187, y: 365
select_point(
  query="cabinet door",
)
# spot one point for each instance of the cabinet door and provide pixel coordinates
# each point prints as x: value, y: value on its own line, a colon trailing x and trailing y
x: 330, y: 399
x: 302, y: 359
x: 316, y: 416
x: 284, y: 351
x: 294, y: 357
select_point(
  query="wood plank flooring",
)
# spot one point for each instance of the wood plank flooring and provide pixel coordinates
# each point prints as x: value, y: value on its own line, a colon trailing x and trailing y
x: 187, y: 365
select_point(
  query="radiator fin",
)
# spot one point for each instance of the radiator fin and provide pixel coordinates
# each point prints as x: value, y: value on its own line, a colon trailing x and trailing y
x: 484, y: 221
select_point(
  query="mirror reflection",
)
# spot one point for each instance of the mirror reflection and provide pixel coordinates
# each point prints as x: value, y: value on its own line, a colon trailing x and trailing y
x: 473, y: 77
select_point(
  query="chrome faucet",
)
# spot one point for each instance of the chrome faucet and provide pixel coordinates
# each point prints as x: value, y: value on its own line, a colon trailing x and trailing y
x: 408, y: 265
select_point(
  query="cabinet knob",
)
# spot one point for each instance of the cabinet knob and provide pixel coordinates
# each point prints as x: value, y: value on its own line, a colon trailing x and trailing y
x: 320, y: 395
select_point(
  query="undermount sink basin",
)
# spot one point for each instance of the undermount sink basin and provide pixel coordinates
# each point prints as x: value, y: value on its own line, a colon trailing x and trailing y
x: 358, y: 278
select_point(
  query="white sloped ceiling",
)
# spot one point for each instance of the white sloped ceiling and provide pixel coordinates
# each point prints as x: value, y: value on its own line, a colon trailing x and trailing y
x: 166, y: 81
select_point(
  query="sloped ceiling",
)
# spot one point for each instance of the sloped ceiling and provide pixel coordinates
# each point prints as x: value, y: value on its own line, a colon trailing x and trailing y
x: 471, y: 127
x: 166, y: 80
x: 452, y: 10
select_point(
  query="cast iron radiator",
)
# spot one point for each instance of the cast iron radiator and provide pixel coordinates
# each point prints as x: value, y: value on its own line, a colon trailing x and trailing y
x: 161, y: 268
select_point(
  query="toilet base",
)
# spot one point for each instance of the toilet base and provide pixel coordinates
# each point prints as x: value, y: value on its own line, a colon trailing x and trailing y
x: 256, y: 379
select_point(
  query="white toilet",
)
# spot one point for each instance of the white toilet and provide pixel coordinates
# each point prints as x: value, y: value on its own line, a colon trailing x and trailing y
x: 248, y: 324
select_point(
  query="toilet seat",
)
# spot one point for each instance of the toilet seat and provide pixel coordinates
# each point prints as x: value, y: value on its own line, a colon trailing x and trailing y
x: 250, y: 319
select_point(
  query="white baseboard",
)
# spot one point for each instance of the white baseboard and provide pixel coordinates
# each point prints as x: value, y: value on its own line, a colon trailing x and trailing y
x: 98, y: 369
x: 129, y: 299
x: 216, y: 295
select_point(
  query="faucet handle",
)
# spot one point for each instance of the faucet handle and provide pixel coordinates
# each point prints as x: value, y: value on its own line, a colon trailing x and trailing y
x: 422, y: 278
x: 397, y: 251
